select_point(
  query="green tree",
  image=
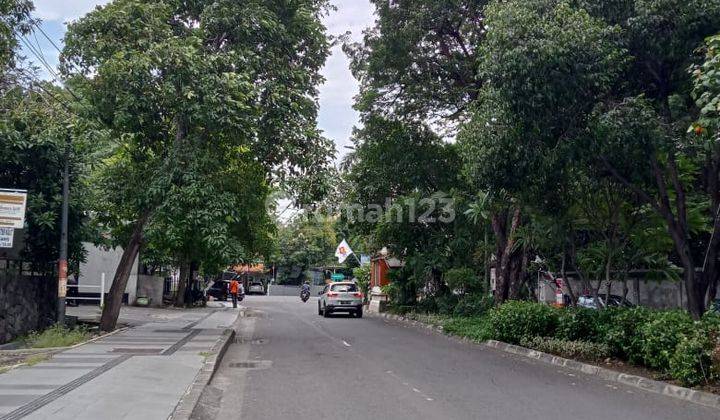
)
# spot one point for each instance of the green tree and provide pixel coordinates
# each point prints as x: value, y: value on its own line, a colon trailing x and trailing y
x: 35, y: 131
x: 15, y: 21
x: 197, y: 96
x: 420, y: 59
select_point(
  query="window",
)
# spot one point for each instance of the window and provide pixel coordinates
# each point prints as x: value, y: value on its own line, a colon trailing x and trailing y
x: 344, y: 288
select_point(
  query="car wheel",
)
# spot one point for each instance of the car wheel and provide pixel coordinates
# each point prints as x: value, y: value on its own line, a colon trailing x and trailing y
x: 358, y: 313
x: 319, y: 309
x: 326, y: 312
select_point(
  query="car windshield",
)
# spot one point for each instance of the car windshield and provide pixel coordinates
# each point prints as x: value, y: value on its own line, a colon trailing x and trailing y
x: 344, y: 288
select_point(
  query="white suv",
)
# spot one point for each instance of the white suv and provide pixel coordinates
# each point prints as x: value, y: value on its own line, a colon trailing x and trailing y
x: 340, y: 297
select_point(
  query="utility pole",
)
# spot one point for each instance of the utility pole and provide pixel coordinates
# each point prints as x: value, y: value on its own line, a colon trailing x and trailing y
x: 63, y: 259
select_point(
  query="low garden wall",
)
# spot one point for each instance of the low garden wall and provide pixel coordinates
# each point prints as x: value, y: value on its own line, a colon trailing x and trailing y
x: 26, y: 303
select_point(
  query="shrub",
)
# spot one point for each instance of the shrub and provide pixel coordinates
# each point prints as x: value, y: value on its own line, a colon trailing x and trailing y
x: 473, y: 306
x: 619, y: 329
x: 515, y: 321
x: 446, y: 303
x: 661, y: 334
x: 579, y: 324
x: 572, y: 349
x: 474, y: 328
x: 463, y: 280
x: 695, y: 360
x: 691, y: 363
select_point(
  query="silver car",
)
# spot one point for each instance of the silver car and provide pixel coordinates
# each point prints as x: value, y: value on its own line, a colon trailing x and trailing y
x: 256, y: 288
x: 340, y: 297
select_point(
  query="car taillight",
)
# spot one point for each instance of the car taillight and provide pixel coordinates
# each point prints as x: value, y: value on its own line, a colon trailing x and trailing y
x: 332, y: 295
x: 358, y: 295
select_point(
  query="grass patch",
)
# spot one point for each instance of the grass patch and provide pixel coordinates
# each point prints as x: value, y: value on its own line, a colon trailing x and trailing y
x: 476, y: 329
x: 35, y: 359
x: 57, y: 336
x: 432, y: 319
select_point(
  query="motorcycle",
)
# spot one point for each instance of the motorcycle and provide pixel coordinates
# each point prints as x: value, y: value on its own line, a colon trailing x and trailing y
x: 305, y: 295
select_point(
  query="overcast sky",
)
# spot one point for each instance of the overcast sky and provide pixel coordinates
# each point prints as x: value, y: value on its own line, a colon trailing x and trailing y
x: 336, y: 117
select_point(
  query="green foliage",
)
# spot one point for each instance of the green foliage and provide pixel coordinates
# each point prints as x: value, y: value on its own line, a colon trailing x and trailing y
x: 620, y: 329
x: 207, y: 107
x: 477, y: 329
x: 463, y: 280
x: 691, y: 362
x: 659, y: 336
x: 35, y: 136
x: 421, y: 58
x: 14, y: 20
x: 57, y: 336
x: 473, y: 305
x: 307, y: 241
x: 579, y: 324
x: 572, y: 349
x: 515, y: 321
x: 362, y: 276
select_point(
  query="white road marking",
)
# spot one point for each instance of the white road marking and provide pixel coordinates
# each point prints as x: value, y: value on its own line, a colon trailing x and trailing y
x: 346, y: 344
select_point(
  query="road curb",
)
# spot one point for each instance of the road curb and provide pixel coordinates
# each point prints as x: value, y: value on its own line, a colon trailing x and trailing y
x: 186, y: 405
x: 650, y: 385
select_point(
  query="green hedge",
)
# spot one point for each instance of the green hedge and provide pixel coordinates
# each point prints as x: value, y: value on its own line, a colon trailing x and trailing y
x: 667, y: 341
x: 516, y: 321
x: 661, y: 334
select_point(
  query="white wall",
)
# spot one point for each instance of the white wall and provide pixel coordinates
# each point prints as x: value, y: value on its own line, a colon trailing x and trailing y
x: 100, y: 261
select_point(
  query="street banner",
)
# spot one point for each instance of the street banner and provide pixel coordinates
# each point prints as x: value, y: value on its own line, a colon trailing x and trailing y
x: 6, y: 237
x: 343, y: 251
x: 12, y: 208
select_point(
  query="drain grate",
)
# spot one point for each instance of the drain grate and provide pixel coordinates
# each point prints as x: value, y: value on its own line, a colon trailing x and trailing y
x: 127, y: 350
x: 245, y: 365
x: 252, y: 364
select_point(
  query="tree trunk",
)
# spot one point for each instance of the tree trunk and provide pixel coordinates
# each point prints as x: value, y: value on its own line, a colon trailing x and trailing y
x: 185, y: 275
x: 111, y: 311
x: 503, y: 275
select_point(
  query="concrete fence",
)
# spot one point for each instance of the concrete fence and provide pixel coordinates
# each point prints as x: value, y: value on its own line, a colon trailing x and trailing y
x: 27, y: 303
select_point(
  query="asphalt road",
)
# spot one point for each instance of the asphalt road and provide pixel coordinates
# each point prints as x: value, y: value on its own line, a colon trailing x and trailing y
x: 290, y: 363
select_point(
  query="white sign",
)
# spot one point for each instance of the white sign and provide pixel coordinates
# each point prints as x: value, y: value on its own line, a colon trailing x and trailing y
x: 12, y: 208
x: 6, y: 237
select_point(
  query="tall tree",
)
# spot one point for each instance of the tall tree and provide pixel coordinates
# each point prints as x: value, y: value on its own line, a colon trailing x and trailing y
x: 420, y: 59
x: 189, y: 90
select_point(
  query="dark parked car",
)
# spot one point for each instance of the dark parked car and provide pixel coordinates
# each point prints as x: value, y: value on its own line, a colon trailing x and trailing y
x: 219, y: 290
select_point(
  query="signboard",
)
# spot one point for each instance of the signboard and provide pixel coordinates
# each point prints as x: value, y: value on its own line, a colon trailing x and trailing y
x: 6, y: 237
x: 364, y: 259
x: 12, y: 208
x: 337, y: 277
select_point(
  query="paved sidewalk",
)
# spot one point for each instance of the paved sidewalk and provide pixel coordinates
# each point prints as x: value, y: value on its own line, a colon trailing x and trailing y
x: 139, y: 373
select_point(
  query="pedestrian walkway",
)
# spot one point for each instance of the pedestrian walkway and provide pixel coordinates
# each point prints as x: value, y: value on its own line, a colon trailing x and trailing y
x: 139, y: 373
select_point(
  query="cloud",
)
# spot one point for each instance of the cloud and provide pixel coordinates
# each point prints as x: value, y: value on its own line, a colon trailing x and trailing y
x: 63, y: 11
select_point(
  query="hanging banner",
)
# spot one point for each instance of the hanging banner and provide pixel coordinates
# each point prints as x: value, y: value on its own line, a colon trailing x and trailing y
x: 12, y: 208
x: 6, y: 237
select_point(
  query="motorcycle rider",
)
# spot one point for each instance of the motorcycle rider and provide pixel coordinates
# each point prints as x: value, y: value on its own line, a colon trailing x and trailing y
x: 305, y: 288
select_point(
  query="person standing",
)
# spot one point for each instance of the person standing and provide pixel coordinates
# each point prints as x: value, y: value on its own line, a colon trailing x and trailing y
x: 234, y: 288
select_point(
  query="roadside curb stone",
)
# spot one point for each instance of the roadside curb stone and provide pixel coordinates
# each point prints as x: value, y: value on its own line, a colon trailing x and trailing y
x: 650, y: 385
x: 190, y: 399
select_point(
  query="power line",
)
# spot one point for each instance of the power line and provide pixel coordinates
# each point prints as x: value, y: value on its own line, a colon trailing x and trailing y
x: 48, y: 67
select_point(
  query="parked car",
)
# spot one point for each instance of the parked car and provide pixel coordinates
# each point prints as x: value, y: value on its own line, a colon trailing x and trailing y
x: 256, y: 287
x: 340, y: 297
x: 219, y: 290
x: 615, y: 301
